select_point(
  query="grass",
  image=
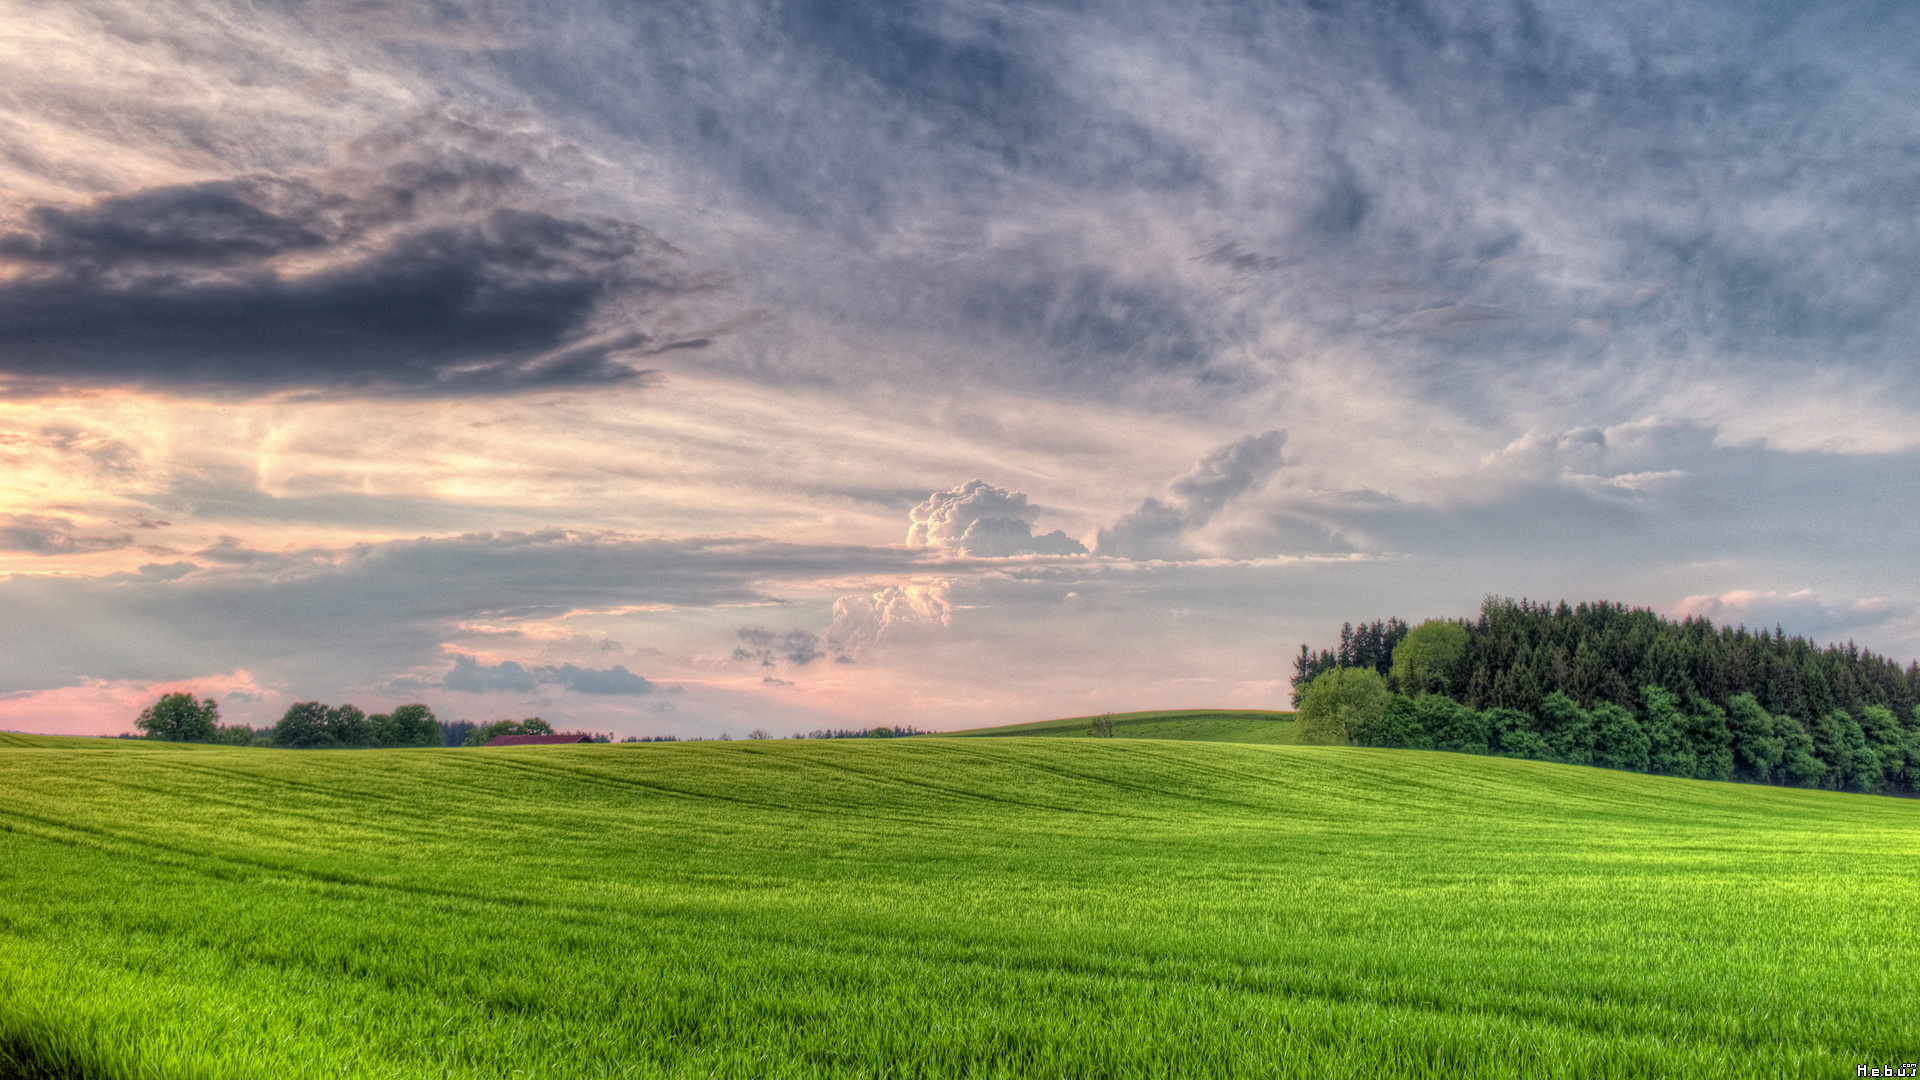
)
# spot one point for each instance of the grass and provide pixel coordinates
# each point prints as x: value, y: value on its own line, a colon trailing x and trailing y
x: 938, y: 907
x: 1200, y: 725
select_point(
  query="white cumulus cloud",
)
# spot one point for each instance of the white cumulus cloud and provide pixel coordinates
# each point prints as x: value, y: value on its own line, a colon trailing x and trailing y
x: 979, y: 519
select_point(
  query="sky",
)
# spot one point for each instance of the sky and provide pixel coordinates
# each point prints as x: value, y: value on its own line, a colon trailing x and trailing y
x: 699, y: 368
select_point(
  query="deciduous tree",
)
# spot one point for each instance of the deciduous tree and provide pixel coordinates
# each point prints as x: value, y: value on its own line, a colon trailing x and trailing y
x: 1339, y: 702
x: 1423, y: 658
x: 179, y: 718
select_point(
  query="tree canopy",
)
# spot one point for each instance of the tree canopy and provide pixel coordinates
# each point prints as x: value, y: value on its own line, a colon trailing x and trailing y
x: 1603, y: 684
x: 179, y: 718
x: 485, y: 734
x: 1339, y: 702
x: 313, y: 725
x: 1426, y: 654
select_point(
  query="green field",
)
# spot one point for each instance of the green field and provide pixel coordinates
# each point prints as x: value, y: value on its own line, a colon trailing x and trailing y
x: 938, y: 907
x: 1200, y: 725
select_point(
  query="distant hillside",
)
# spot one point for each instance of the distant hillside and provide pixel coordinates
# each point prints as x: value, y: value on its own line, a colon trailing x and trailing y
x: 22, y: 740
x: 1192, y: 725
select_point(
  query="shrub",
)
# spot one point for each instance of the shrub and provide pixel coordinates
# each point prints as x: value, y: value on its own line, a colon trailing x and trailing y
x: 1567, y: 729
x: 1398, y: 724
x: 1340, y: 702
x: 1619, y: 742
x: 1512, y: 732
x: 1668, y: 751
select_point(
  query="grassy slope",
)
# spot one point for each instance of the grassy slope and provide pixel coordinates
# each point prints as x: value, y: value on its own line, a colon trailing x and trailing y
x: 939, y: 907
x: 1199, y: 725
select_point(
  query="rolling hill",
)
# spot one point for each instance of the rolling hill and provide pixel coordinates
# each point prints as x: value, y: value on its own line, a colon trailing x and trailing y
x: 937, y: 907
x: 1197, y: 725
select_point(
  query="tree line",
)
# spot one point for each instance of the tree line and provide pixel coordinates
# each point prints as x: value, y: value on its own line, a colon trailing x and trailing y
x: 1604, y: 684
x: 314, y: 725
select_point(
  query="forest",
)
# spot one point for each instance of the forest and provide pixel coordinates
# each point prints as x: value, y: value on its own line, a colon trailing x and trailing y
x: 1605, y: 684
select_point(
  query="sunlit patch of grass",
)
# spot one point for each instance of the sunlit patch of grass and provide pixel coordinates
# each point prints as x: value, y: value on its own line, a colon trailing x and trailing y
x: 939, y: 907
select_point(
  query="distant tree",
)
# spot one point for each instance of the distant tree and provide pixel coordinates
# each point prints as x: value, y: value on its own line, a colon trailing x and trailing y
x: 1397, y: 724
x: 1890, y: 742
x: 1711, y: 739
x: 1101, y: 727
x: 1839, y: 741
x: 242, y: 735
x: 1567, y: 728
x: 457, y: 731
x: 486, y: 733
x: 1307, y: 667
x: 1619, y: 742
x: 1798, y: 764
x: 408, y: 725
x: 1757, y: 749
x: 304, y: 727
x: 311, y: 725
x: 532, y: 725
x: 1452, y: 726
x: 349, y: 726
x: 179, y: 718
x: 1340, y: 702
x: 1515, y: 734
x: 1669, y: 752
x: 759, y: 733
x: 880, y: 733
x: 1423, y: 659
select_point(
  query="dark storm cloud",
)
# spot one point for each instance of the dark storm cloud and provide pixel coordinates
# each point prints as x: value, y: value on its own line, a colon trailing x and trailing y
x: 439, y: 272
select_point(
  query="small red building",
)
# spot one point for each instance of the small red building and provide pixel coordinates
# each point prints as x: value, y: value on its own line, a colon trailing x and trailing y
x: 538, y: 740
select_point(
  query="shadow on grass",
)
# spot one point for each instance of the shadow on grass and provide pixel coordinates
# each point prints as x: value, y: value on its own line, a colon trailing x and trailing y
x: 38, y: 1051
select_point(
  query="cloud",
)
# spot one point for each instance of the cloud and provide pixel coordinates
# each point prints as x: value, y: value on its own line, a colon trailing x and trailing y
x: 470, y: 676
x: 979, y: 519
x: 40, y: 535
x: 860, y: 622
x: 767, y: 647
x: 438, y: 268
x: 614, y: 680
x: 1799, y: 612
x: 1158, y: 529
x: 381, y: 609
